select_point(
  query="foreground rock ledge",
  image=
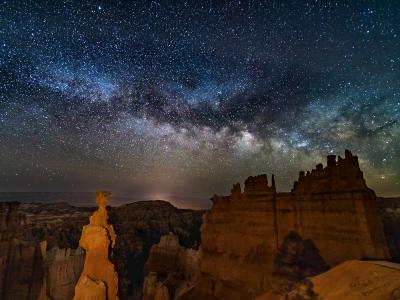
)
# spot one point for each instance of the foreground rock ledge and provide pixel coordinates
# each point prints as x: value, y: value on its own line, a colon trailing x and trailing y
x: 351, y: 280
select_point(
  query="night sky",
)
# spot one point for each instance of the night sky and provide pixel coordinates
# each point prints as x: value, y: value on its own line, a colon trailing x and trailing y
x: 181, y: 99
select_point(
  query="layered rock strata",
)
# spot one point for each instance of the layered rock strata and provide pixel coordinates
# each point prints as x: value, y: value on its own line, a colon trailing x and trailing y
x: 99, y: 278
x: 21, y: 259
x: 63, y: 268
x: 259, y: 240
x: 139, y: 225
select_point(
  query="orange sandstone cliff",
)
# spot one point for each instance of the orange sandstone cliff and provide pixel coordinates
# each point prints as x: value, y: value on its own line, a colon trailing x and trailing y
x: 258, y: 240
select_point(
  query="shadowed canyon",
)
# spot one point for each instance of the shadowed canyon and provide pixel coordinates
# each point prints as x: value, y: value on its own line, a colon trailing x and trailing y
x: 330, y: 237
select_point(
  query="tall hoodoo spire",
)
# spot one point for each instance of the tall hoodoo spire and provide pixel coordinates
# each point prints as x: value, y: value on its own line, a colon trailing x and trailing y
x: 98, y: 280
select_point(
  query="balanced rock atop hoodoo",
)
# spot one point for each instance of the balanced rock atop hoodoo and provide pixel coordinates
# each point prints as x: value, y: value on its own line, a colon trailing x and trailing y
x: 261, y: 240
x: 98, y: 280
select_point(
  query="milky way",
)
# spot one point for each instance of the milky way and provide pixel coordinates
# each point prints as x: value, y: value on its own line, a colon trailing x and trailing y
x: 163, y: 100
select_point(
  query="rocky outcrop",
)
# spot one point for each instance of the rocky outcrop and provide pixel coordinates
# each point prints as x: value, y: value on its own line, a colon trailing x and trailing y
x: 30, y: 268
x: 21, y: 259
x: 334, y: 208
x: 171, y: 269
x: 98, y: 237
x: 138, y: 226
x: 343, y: 175
x: 27, y: 270
x: 63, y: 268
x: 390, y: 209
x: 351, y: 280
x: 21, y: 270
x: 259, y: 239
x: 154, y: 289
x: 253, y: 241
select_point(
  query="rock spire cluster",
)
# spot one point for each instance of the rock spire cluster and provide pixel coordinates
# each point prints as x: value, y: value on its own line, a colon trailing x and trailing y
x: 259, y: 239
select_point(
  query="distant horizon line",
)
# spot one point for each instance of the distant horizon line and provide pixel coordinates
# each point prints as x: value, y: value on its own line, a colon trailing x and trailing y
x: 113, y: 194
x: 181, y: 202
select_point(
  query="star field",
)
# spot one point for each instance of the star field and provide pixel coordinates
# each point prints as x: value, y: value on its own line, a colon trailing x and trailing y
x: 160, y: 99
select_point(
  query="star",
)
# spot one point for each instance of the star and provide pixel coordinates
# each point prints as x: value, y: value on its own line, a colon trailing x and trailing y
x: 160, y: 98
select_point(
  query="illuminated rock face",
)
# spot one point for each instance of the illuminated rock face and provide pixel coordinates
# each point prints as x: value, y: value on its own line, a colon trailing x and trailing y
x: 98, y: 278
x: 351, y: 280
x: 138, y: 225
x: 260, y: 240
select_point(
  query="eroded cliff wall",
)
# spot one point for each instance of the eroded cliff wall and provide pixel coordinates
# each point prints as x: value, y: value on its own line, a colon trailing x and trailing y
x: 21, y: 260
x: 259, y: 240
x: 239, y: 237
x: 63, y: 267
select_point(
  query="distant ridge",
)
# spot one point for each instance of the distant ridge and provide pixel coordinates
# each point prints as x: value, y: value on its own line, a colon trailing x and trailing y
x: 87, y: 199
x: 72, y: 198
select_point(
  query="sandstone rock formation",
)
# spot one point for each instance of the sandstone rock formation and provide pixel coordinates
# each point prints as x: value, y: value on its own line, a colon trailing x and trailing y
x: 171, y: 269
x: 390, y: 210
x: 342, y: 175
x: 98, y: 273
x: 253, y: 240
x: 138, y: 225
x: 63, y: 268
x: 154, y: 289
x: 21, y: 259
x: 260, y: 240
x: 351, y: 280
x: 335, y: 200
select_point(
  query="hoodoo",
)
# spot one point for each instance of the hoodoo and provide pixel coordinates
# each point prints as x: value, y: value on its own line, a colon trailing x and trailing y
x: 98, y: 280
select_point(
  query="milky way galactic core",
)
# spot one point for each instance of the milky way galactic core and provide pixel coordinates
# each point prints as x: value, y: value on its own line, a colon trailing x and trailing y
x: 161, y: 99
